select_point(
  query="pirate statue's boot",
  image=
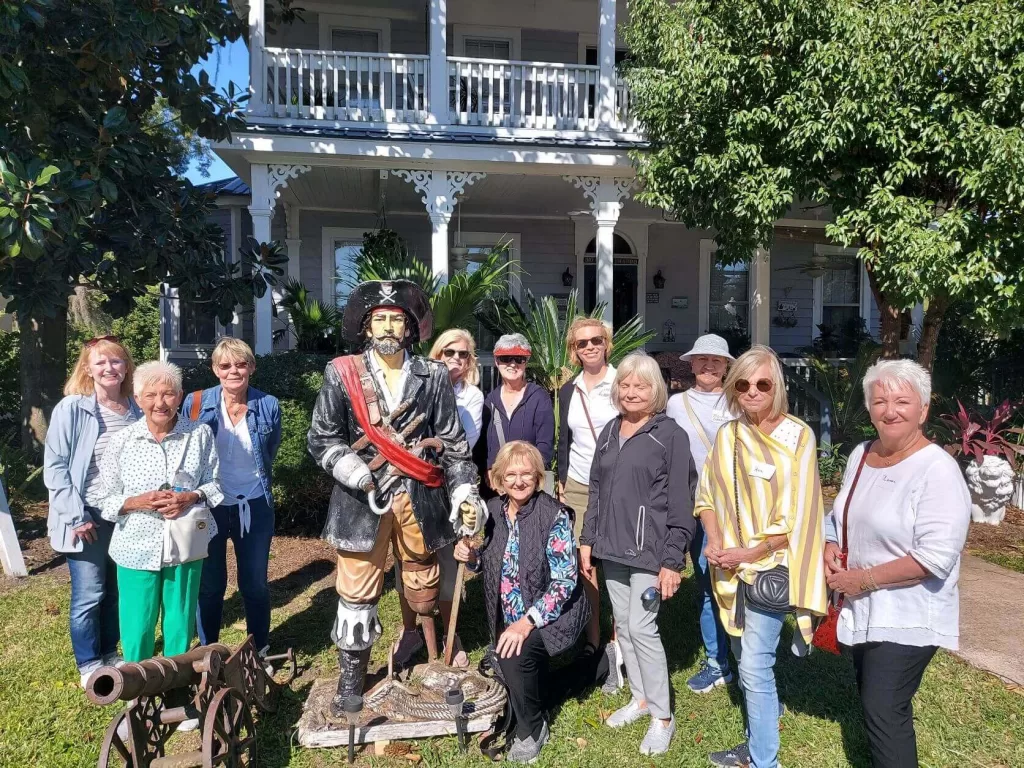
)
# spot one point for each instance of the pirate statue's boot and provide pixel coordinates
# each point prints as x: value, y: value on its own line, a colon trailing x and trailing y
x: 356, y: 629
x: 353, y: 677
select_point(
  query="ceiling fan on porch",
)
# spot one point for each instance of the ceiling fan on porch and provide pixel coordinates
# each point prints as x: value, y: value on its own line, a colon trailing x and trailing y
x: 817, y: 264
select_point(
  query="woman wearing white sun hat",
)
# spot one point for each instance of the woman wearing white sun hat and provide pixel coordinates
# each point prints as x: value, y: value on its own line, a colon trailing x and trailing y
x: 701, y: 411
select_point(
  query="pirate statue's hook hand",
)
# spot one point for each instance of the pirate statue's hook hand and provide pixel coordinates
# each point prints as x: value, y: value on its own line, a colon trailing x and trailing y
x: 468, y: 510
x: 352, y: 472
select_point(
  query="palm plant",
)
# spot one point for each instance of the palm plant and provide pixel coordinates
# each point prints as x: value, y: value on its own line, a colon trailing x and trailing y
x: 842, y: 386
x: 316, y: 325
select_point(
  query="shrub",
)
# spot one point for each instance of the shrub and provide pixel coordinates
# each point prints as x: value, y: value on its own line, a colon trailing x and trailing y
x: 10, y: 377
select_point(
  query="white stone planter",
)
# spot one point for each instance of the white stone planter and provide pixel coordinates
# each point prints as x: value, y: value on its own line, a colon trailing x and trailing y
x: 991, y: 484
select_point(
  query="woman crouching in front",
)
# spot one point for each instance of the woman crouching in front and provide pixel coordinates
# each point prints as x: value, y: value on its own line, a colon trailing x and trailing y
x: 534, y: 601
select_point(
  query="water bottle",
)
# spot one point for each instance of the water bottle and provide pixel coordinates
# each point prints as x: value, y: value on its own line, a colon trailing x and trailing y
x: 183, y: 482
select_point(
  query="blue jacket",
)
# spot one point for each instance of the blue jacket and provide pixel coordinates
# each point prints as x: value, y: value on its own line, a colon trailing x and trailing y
x: 263, y: 420
x: 70, y: 440
x: 533, y: 420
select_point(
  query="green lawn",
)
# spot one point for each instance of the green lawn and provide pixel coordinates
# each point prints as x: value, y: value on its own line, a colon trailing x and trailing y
x: 965, y: 717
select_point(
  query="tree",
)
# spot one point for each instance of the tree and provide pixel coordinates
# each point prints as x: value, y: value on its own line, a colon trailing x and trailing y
x: 904, y: 117
x: 89, y: 196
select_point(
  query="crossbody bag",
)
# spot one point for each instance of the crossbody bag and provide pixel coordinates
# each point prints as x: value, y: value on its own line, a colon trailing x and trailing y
x: 697, y: 426
x: 186, y: 538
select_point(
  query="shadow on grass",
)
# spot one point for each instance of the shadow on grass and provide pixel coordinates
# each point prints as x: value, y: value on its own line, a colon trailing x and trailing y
x: 282, y: 590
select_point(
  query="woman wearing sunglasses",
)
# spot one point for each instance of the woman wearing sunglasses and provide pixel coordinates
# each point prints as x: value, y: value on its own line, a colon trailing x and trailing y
x: 760, y: 503
x: 518, y: 409
x: 98, y: 405
x: 457, y: 350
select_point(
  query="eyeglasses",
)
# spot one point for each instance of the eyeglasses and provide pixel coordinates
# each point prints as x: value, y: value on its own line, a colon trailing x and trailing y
x: 237, y: 366
x: 763, y: 385
x: 462, y: 354
x: 596, y: 341
x: 511, y: 359
x: 97, y: 339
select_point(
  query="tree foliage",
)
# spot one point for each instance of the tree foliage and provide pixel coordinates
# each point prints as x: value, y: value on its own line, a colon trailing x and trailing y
x: 904, y: 117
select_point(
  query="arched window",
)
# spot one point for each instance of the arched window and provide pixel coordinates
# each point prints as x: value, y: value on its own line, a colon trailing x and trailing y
x: 626, y: 277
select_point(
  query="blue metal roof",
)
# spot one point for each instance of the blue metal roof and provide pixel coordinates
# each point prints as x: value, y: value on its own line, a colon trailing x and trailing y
x: 230, y: 186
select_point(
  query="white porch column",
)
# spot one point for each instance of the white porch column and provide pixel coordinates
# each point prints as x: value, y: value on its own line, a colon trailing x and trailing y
x: 606, y: 197
x: 257, y: 41
x: 437, y: 84
x: 440, y: 191
x: 294, y: 246
x: 265, y: 183
x: 760, y: 298
x: 606, y: 60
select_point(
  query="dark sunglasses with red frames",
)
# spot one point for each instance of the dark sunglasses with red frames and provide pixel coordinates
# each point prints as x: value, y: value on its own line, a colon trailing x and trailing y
x: 97, y: 339
x: 595, y: 341
x: 511, y: 359
x: 763, y: 385
x: 462, y: 354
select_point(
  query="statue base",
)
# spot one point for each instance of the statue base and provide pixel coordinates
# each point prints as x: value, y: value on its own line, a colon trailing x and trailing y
x: 409, y: 706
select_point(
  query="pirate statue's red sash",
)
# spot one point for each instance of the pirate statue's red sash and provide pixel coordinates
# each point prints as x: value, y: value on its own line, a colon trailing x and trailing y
x: 401, y: 459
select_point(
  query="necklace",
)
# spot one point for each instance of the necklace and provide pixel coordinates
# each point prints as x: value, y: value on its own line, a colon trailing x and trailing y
x: 898, y: 456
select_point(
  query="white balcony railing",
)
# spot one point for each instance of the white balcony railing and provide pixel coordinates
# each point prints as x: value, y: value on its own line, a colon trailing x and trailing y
x: 338, y: 85
x: 393, y: 87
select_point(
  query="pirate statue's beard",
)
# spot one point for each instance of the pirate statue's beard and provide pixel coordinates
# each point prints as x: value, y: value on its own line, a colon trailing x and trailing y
x: 387, y: 345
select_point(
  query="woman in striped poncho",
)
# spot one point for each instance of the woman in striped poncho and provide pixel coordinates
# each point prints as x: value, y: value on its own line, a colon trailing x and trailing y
x: 760, y: 503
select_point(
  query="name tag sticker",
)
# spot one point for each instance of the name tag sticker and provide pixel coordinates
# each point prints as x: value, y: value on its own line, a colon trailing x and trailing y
x: 762, y: 471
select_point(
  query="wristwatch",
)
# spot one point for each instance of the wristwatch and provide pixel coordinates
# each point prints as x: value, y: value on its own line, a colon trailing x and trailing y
x: 529, y: 618
x: 202, y: 497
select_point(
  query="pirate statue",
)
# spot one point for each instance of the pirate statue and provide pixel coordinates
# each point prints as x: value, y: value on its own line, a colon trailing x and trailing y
x: 386, y: 428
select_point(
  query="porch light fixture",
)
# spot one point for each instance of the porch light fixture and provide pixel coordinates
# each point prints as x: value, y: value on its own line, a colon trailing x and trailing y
x: 659, y: 280
x: 458, y: 251
x: 567, y: 278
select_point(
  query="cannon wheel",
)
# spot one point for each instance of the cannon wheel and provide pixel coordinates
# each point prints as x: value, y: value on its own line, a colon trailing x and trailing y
x: 229, y: 736
x: 148, y: 744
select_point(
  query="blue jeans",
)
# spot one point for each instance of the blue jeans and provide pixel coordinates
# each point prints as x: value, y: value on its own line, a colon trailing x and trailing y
x: 252, y: 553
x: 755, y: 654
x: 94, y: 625
x: 711, y: 630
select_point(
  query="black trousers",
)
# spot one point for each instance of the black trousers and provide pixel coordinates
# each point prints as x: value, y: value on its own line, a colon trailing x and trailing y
x: 888, y: 676
x: 524, y: 675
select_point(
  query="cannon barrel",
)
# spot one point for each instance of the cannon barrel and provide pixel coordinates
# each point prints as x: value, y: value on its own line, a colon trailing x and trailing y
x: 152, y: 676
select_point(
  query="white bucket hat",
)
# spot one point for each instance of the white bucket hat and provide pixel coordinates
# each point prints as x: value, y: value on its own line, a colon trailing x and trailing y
x: 709, y: 344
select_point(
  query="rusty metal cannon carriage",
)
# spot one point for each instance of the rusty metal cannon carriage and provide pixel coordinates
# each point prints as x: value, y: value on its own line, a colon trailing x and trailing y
x: 218, y: 684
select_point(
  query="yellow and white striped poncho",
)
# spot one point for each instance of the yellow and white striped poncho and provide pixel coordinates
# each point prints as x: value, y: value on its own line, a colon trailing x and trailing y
x: 789, y: 503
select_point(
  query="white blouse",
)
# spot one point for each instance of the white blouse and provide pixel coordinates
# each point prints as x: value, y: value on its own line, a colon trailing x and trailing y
x: 601, y: 409
x: 469, y: 401
x: 920, y: 507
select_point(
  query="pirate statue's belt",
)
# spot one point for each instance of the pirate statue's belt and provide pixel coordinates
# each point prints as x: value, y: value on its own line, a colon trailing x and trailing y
x: 379, y: 432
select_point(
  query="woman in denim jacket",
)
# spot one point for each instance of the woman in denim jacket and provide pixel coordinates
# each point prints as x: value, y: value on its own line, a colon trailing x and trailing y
x: 247, y: 426
x: 97, y: 406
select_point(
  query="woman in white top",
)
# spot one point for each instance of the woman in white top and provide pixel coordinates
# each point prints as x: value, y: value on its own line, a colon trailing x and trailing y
x: 905, y: 509
x: 701, y: 411
x: 584, y: 407
x: 457, y: 350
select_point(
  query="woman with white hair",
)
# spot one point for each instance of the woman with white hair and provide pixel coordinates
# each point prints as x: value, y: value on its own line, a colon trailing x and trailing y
x: 639, y: 524
x: 761, y: 507
x: 518, y: 409
x: 159, y: 481
x: 894, y: 541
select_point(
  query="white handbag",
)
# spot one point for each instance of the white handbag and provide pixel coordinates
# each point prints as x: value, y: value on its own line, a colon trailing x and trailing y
x: 187, y: 538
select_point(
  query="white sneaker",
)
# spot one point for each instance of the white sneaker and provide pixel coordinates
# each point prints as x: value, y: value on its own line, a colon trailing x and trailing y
x: 628, y: 714
x: 658, y: 737
x: 113, y: 660
x: 188, y: 725
x: 84, y: 677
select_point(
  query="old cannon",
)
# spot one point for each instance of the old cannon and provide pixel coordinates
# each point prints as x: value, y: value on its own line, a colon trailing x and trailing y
x: 218, y: 685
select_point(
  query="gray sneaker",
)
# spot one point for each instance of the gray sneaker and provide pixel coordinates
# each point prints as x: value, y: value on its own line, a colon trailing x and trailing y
x: 528, y: 750
x: 613, y: 683
x: 626, y: 715
x: 658, y: 737
x: 737, y: 757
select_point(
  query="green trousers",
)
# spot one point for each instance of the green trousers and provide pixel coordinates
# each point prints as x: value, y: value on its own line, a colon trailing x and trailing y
x: 142, y: 595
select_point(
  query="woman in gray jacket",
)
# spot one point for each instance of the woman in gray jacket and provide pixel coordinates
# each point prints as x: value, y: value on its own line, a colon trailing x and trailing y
x: 97, y: 406
x: 639, y: 523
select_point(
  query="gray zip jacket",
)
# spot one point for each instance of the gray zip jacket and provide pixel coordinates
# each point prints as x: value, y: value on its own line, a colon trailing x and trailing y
x: 640, y: 511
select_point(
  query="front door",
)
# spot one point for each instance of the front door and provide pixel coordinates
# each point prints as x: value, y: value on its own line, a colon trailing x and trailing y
x: 625, y: 276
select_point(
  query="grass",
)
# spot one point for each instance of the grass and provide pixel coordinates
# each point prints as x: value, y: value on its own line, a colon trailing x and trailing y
x: 964, y: 717
x: 1006, y: 560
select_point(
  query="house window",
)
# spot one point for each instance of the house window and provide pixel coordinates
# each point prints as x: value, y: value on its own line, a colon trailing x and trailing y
x: 621, y: 55
x: 483, y: 48
x: 480, y: 245
x: 196, y: 325
x: 840, y: 294
x: 729, y: 298
x: 346, y: 250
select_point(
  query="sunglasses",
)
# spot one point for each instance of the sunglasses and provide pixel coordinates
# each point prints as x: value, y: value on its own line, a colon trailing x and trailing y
x: 462, y: 354
x: 596, y: 341
x: 511, y: 359
x: 763, y: 385
x: 97, y: 339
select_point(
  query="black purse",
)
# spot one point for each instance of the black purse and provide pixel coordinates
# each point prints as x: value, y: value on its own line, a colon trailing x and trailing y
x: 770, y: 591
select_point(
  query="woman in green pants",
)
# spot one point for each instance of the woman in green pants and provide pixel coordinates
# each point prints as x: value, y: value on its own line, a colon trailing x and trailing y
x: 159, y: 481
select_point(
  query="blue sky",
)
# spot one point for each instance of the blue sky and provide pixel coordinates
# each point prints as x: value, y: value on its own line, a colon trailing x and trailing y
x: 227, y: 64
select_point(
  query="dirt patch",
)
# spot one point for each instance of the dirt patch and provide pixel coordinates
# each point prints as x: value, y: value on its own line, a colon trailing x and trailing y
x: 998, y: 543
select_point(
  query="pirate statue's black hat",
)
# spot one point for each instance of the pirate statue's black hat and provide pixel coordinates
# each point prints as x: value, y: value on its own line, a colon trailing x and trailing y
x: 404, y: 294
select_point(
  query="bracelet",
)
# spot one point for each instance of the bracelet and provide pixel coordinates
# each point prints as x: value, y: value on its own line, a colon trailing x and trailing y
x: 871, y: 578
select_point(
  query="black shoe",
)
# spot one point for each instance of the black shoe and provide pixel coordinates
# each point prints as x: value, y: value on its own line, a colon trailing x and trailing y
x: 737, y: 757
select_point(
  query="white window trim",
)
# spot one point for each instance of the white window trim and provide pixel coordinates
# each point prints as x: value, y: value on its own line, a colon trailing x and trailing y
x: 327, y: 237
x: 818, y: 300
x: 328, y: 22
x: 707, y: 251
x: 515, y: 275
x: 589, y: 40
x: 473, y: 31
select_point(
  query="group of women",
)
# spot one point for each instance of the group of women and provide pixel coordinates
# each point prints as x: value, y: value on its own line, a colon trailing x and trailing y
x: 721, y: 472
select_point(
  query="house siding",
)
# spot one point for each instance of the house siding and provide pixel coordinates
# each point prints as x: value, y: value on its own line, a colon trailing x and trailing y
x: 674, y: 250
x: 794, y: 286
x: 550, y: 45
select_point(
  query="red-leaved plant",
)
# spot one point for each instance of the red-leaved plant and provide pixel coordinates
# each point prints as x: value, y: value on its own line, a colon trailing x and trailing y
x: 978, y: 437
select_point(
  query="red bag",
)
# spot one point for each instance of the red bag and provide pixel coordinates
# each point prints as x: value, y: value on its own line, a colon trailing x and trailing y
x: 826, y: 634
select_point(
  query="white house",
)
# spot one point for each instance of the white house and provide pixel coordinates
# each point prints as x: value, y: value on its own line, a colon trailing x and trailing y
x: 472, y: 122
